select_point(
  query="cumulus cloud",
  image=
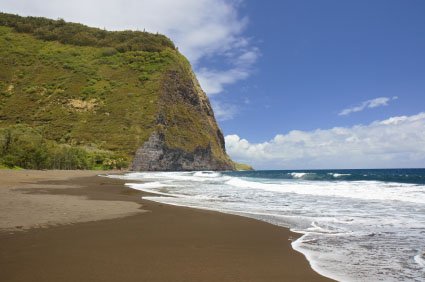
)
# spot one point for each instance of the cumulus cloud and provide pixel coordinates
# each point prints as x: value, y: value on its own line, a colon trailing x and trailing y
x: 395, y: 142
x: 369, y: 104
x: 213, y: 81
x: 224, y: 111
x: 200, y: 28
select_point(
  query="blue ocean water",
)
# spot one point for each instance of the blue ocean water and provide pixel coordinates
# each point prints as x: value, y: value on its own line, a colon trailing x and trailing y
x: 357, y: 225
x: 400, y: 175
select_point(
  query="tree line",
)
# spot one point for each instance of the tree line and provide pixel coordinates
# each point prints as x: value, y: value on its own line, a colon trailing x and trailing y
x: 81, y: 35
x: 25, y: 147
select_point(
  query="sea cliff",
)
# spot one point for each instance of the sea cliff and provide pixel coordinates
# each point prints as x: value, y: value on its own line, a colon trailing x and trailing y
x: 77, y: 97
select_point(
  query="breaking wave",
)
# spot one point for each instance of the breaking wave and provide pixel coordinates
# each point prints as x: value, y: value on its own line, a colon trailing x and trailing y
x: 357, y: 225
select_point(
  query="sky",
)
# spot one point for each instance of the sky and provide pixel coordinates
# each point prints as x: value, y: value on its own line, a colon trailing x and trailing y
x: 298, y: 84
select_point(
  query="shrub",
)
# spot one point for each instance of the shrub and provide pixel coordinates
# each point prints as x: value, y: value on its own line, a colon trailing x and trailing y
x: 81, y: 35
x: 109, y: 51
x: 25, y: 147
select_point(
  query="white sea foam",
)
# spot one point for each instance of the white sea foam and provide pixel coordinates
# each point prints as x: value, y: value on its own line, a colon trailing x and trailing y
x: 420, y: 259
x: 338, y: 175
x: 150, y: 187
x: 352, y: 230
x: 315, y: 259
x: 365, y: 190
x: 208, y: 174
x: 199, y: 176
x: 298, y: 174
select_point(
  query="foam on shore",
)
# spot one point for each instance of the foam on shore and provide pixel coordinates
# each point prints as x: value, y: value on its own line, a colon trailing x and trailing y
x: 349, y: 228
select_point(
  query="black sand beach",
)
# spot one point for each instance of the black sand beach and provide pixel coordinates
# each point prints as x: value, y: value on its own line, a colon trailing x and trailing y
x: 159, y: 243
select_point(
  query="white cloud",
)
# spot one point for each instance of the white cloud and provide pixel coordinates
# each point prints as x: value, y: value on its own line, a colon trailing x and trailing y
x: 213, y: 81
x: 374, y: 103
x: 223, y: 111
x: 200, y: 28
x: 394, y: 142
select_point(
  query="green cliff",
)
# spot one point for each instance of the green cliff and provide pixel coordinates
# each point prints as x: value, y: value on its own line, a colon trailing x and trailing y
x: 72, y: 96
x: 242, y: 167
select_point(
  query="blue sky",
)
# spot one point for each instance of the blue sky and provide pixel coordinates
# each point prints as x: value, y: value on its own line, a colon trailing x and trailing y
x: 319, y: 57
x: 294, y: 84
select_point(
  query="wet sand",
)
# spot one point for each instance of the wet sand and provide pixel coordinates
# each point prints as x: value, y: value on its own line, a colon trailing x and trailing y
x: 143, y: 241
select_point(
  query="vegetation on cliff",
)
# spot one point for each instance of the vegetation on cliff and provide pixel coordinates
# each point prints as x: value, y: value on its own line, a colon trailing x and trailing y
x: 81, y: 35
x: 23, y: 146
x: 69, y: 86
x: 242, y: 167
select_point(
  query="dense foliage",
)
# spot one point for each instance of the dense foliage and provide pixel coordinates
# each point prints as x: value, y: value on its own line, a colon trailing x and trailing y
x: 25, y: 147
x: 80, y: 95
x: 90, y: 95
x: 81, y: 35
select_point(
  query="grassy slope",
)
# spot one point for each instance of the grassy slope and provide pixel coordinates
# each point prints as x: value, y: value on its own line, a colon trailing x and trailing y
x: 39, y: 81
x: 240, y: 166
x: 95, y: 96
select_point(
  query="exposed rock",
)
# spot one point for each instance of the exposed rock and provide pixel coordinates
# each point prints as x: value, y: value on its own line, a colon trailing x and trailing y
x: 81, y: 105
x: 188, y: 137
x: 154, y: 155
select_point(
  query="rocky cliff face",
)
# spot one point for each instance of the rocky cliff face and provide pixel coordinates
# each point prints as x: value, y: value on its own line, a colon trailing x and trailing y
x: 187, y: 136
x: 155, y: 155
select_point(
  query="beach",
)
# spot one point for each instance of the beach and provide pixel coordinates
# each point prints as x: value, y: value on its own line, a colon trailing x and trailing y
x: 77, y: 226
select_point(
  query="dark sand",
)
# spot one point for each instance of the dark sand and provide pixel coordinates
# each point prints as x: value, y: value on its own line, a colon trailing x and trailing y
x: 164, y: 244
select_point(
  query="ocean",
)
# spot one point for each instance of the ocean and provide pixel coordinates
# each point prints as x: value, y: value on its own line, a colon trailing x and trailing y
x: 356, y: 225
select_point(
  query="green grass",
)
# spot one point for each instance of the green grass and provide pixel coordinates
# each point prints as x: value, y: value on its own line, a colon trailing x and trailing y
x: 13, y: 168
x: 25, y: 147
x: 39, y: 93
x: 93, y: 95
x: 81, y: 35
x: 240, y: 166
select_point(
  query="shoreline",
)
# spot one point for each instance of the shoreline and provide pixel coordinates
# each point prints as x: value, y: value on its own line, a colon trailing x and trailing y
x: 158, y: 243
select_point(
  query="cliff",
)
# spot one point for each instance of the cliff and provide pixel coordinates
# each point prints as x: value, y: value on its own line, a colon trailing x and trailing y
x: 114, y: 97
x: 243, y: 167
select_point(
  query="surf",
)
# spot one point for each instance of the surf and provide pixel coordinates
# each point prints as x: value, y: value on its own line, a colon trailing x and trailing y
x: 352, y: 229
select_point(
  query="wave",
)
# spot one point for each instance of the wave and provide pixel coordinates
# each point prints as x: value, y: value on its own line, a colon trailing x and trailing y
x: 299, y: 174
x: 338, y: 175
x: 413, y: 176
x: 349, y: 227
x: 207, y: 174
x: 198, y: 176
x: 317, y: 175
x: 149, y: 187
x: 328, y: 230
x: 364, y: 190
x: 420, y: 259
x: 314, y: 259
